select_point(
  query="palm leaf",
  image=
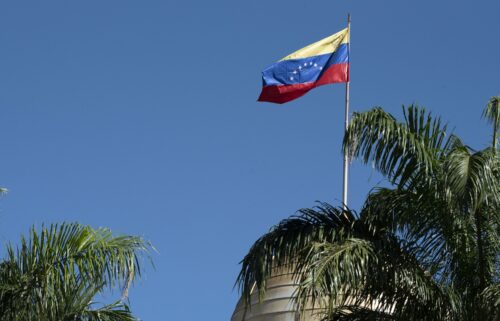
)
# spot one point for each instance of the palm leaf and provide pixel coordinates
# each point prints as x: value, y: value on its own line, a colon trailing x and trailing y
x: 56, y: 272
x: 404, y: 152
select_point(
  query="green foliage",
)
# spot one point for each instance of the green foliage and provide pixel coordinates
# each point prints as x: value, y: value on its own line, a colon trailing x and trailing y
x: 492, y: 114
x: 425, y: 249
x: 55, y: 274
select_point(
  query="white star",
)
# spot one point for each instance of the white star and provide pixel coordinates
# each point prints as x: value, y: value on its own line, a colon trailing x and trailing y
x: 300, y: 67
x: 295, y: 72
x: 320, y: 68
x: 310, y: 64
x: 291, y: 78
x: 315, y: 65
x: 305, y: 64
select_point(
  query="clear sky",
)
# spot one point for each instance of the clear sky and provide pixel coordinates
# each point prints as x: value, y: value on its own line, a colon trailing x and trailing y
x: 142, y: 116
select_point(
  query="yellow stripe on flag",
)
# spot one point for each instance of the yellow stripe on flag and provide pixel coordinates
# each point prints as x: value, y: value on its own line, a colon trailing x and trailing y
x: 322, y: 47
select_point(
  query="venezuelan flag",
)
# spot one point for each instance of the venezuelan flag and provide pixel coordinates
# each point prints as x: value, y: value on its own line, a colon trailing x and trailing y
x: 323, y: 62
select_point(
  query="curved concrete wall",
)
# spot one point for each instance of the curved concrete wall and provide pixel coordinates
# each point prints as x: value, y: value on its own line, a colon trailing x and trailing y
x: 277, y: 304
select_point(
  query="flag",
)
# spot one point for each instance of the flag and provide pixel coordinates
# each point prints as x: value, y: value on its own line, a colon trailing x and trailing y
x: 323, y: 62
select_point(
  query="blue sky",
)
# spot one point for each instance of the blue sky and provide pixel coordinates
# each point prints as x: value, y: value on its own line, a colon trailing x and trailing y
x: 142, y: 116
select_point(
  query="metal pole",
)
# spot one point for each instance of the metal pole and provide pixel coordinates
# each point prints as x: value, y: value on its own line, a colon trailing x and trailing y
x: 346, y: 122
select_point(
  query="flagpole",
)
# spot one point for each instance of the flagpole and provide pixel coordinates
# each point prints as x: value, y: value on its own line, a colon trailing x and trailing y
x: 346, y: 123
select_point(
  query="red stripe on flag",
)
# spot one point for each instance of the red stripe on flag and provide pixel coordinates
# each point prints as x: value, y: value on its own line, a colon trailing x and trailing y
x: 335, y: 73
x: 284, y: 93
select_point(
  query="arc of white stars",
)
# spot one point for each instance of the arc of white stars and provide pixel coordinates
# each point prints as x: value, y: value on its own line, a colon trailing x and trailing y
x: 311, y: 64
x: 305, y: 65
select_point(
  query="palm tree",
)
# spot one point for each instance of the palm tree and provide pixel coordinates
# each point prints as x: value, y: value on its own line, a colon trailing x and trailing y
x: 426, y: 248
x: 56, y: 274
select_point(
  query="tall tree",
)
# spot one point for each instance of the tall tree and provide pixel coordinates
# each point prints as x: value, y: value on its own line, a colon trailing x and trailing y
x: 426, y: 248
x: 57, y: 273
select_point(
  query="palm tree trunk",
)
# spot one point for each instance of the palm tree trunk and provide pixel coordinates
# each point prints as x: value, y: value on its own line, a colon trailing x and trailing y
x: 481, y: 265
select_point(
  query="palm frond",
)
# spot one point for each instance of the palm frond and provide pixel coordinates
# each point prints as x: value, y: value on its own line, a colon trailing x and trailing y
x: 357, y: 313
x: 337, y: 259
x: 58, y: 271
x: 472, y: 177
x: 491, y: 300
x: 372, y: 270
x: 492, y: 114
x: 117, y: 311
x: 401, y: 151
x: 285, y: 241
